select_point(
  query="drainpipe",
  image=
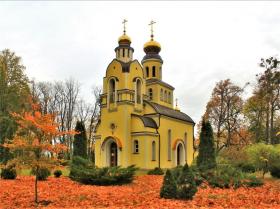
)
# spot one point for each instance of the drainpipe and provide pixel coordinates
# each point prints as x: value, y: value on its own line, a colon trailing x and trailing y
x: 193, y: 143
x: 158, y: 143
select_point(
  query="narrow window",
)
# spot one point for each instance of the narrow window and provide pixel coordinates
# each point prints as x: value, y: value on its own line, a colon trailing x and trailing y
x: 161, y: 95
x: 136, y: 146
x: 165, y: 96
x: 151, y: 93
x: 123, y: 52
x: 138, y: 91
x: 169, y: 146
x: 153, y: 151
x: 154, y: 71
x: 169, y: 97
x: 112, y: 89
x: 147, y: 72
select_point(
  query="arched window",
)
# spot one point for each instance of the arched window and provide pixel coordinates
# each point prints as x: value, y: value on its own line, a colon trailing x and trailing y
x: 169, y: 97
x: 154, y: 71
x: 138, y: 91
x: 169, y: 146
x: 161, y: 95
x: 153, y: 150
x: 165, y: 96
x: 136, y: 146
x: 112, y: 90
x: 147, y: 72
x: 151, y: 93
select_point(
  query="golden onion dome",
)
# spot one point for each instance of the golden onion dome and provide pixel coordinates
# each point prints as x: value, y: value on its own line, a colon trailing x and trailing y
x: 124, y: 38
x: 152, y: 43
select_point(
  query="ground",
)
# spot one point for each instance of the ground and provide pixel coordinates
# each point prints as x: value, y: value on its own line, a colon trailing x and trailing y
x: 142, y: 193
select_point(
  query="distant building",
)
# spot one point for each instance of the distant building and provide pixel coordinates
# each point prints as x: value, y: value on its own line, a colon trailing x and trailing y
x: 138, y: 123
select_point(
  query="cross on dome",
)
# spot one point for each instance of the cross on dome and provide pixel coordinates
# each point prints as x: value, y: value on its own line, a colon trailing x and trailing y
x: 124, y: 26
x: 152, y: 29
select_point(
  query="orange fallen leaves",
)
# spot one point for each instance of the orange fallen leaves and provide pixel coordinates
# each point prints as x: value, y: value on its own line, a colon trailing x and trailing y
x: 142, y: 193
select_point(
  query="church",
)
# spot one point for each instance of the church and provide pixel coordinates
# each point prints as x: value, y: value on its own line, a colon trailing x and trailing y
x: 139, y: 123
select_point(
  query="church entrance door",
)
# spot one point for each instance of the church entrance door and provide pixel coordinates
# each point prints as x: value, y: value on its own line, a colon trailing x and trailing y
x: 180, y: 153
x: 113, y: 154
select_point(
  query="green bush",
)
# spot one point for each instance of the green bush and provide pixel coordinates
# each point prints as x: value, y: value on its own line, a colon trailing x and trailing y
x: 263, y: 156
x: 252, y: 181
x: 186, y: 186
x: 226, y: 176
x: 176, y: 172
x: 42, y: 173
x: 197, y: 175
x: 57, y: 173
x: 275, y: 171
x: 156, y: 171
x: 247, y: 167
x: 206, y: 158
x: 85, y: 172
x: 9, y: 173
x: 169, y: 188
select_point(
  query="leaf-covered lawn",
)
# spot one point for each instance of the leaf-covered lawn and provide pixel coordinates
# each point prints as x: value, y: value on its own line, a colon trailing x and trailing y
x: 142, y: 193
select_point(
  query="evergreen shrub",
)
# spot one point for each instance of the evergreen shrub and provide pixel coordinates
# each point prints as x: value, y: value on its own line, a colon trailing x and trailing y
x: 169, y: 188
x: 85, y: 172
x: 186, y: 186
x: 275, y: 171
x: 57, y: 173
x: 156, y: 171
x: 9, y: 172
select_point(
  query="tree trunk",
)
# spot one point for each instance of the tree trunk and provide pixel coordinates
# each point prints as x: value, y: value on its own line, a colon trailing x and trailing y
x: 36, y: 187
x: 271, y: 126
x: 267, y: 131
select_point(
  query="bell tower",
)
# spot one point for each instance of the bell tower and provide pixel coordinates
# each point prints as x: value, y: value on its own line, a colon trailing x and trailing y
x: 124, y: 52
x: 157, y: 90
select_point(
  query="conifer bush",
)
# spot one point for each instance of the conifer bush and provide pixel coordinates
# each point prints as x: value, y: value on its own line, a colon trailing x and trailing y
x: 206, y: 158
x: 186, y: 186
x: 9, y: 172
x: 169, y: 188
x: 156, y: 171
x: 80, y: 140
x: 57, y: 173
x: 83, y: 171
x: 275, y: 171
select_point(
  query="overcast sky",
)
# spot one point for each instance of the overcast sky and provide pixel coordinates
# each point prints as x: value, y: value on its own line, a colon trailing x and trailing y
x: 202, y: 42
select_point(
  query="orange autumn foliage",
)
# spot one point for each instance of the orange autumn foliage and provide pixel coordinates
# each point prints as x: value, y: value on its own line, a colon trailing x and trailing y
x: 37, y: 131
x: 142, y: 193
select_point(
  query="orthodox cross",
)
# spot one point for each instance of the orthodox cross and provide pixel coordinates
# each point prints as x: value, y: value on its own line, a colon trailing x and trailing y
x: 152, y: 28
x: 124, y: 28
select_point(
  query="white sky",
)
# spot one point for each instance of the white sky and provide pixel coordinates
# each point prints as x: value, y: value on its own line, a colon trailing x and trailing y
x: 202, y: 42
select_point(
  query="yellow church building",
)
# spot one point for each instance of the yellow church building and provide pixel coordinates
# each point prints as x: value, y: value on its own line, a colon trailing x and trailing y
x: 138, y: 121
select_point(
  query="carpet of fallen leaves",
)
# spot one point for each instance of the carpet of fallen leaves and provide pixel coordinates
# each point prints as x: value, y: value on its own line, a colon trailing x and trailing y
x: 142, y: 193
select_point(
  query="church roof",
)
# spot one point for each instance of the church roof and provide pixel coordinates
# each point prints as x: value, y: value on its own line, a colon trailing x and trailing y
x: 171, y: 112
x: 147, y: 121
x: 154, y: 80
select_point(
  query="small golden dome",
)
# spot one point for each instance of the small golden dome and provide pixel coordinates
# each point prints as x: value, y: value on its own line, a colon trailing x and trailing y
x: 124, y: 38
x: 152, y: 43
x: 177, y: 108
